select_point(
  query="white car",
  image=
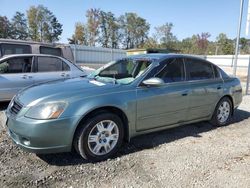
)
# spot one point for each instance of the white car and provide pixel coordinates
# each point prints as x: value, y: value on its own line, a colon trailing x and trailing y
x: 21, y: 70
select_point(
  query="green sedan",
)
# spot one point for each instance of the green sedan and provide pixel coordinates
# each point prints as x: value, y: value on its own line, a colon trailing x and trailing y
x: 94, y: 115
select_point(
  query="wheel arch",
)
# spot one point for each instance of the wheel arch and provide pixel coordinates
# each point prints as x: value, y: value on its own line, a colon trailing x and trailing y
x: 111, y: 109
x: 231, y: 99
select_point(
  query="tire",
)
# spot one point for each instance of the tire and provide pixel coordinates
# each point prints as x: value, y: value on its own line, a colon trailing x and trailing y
x: 223, y: 112
x: 96, y: 140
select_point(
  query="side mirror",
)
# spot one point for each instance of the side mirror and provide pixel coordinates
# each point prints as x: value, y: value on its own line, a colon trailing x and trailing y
x: 153, y: 82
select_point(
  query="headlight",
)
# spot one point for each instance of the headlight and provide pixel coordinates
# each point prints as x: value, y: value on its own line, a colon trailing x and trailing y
x: 50, y: 110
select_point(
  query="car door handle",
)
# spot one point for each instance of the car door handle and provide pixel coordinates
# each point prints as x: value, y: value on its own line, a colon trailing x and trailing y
x: 219, y: 87
x: 26, y: 77
x: 185, y: 93
x: 64, y: 75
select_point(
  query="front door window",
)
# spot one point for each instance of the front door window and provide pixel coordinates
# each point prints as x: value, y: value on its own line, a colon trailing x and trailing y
x: 16, y: 65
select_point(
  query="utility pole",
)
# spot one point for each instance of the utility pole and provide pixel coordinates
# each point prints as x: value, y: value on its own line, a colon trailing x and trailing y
x: 238, y: 39
x: 75, y: 50
x: 216, y: 50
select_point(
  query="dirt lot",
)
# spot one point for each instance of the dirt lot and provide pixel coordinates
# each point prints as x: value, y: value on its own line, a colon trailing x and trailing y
x: 197, y: 155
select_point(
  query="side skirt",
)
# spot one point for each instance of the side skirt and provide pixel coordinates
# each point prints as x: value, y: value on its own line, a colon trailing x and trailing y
x: 167, y: 127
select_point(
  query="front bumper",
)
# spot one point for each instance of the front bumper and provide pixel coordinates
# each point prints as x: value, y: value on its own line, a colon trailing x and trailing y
x: 42, y: 136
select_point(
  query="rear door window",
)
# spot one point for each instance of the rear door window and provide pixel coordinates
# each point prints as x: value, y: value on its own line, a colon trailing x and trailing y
x: 49, y: 64
x: 65, y: 67
x: 198, y: 69
x: 16, y: 65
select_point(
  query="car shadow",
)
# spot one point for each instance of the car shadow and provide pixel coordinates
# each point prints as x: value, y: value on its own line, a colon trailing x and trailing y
x: 147, y: 141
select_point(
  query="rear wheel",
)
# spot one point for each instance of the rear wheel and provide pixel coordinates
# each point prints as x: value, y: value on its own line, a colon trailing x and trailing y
x: 223, y: 112
x: 100, y: 137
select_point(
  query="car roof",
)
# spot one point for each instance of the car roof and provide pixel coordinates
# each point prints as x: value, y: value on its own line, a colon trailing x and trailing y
x: 29, y: 42
x: 162, y: 56
x: 25, y: 55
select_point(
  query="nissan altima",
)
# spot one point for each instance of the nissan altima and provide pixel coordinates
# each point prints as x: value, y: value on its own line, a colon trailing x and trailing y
x: 125, y: 98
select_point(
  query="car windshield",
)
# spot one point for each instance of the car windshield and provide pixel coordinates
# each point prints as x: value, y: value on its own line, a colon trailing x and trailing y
x: 123, y: 71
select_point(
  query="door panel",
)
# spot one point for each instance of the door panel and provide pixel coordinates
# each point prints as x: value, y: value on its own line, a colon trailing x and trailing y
x: 167, y: 104
x: 15, y: 74
x: 206, y: 88
x: 47, y: 76
x: 161, y: 106
x: 12, y: 83
x: 203, y: 97
x: 49, y: 69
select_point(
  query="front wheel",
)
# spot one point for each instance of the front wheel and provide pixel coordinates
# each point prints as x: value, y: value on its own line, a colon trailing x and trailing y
x: 100, y: 137
x: 223, y: 112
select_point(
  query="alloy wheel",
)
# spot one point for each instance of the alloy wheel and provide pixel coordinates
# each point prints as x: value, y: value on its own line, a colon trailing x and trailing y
x: 223, y: 112
x: 103, y: 137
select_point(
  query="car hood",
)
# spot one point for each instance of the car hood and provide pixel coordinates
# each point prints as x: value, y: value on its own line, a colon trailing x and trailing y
x: 63, y: 90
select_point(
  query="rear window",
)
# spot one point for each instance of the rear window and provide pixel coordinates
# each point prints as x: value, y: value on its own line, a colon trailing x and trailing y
x: 50, y: 51
x: 223, y: 74
x: 216, y: 72
x: 14, y: 49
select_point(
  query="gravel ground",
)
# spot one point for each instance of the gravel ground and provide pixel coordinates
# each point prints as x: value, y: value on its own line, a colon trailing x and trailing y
x: 196, y: 155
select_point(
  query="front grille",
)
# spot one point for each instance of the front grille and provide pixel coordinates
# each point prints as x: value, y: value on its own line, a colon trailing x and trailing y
x: 15, y: 108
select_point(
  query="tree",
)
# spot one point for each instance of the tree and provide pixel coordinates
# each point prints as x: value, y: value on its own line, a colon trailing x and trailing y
x: 244, y: 46
x: 211, y: 48
x: 80, y: 35
x: 187, y: 46
x: 202, y: 42
x: 165, y: 35
x: 5, y: 27
x: 141, y: 32
x: 109, y: 30
x: 43, y: 25
x: 92, y: 25
x: 225, y: 45
x: 54, y: 30
x: 104, y: 26
x: 32, y: 20
x: 134, y: 30
x: 150, y: 42
x: 19, y: 26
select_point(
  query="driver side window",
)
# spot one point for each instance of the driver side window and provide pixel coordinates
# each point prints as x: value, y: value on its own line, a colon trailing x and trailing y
x: 173, y: 71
